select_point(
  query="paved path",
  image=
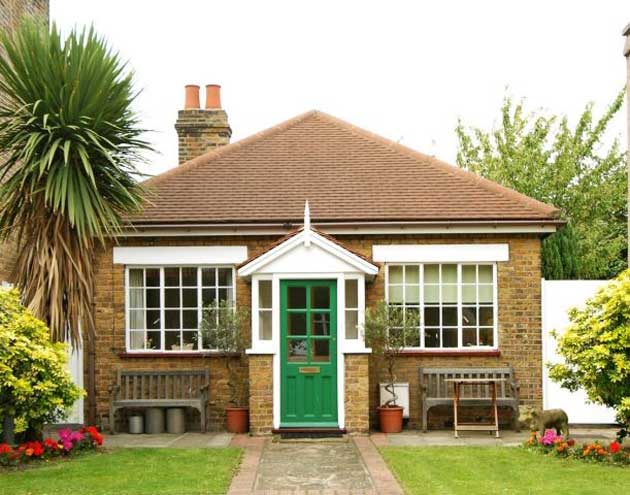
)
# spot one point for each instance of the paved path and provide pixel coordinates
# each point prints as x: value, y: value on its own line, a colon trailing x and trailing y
x: 164, y: 440
x: 353, y: 466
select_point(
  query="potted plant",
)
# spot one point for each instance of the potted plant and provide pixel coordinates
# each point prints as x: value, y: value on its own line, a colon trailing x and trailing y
x: 223, y: 328
x: 385, y: 329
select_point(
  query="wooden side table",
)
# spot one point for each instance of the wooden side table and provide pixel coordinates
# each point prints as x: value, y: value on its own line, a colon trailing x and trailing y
x: 458, y: 383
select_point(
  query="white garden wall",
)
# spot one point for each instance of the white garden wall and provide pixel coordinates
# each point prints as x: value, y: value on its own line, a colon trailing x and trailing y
x: 558, y: 296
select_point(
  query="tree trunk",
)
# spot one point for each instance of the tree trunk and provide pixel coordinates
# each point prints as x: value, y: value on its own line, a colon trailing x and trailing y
x: 8, y: 432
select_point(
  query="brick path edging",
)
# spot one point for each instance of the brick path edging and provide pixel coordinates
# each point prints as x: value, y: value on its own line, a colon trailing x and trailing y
x: 243, y: 482
x: 384, y: 481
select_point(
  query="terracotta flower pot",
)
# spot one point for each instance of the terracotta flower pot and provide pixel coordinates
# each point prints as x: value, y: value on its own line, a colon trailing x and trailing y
x: 237, y: 419
x: 390, y: 419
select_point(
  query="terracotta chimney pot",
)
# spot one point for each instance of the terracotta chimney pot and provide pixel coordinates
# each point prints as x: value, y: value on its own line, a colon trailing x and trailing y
x: 213, y: 96
x: 192, y: 97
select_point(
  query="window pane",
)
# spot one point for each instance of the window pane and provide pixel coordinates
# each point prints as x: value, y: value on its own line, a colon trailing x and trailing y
x: 320, y: 297
x: 190, y: 319
x: 469, y: 337
x: 136, y: 277
x: 486, y: 316
x: 469, y: 293
x: 432, y: 317
x: 485, y: 274
x: 469, y: 274
x: 352, y: 293
x: 190, y: 298
x: 297, y: 324
x: 449, y: 274
x: 485, y: 294
x: 449, y: 293
x: 320, y: 350
x: 136, y: 319
x: 352, y: 324
x: 449, y: 337
x: 171, y: 298
x: 154, y: 340
x: 395, y: 274
x: 412, y: 274
x: 136, y: 298
x: 486, y: 336
x: 189, y: 277
x: 264, y: 324
x: 153, y: 277
x: 171, y: 341
x: 432, y: 337
x: 296, y: 297
x: 208, y: 276
x: 296, y: 350
x: 264, y: 294
x: 395, y: 294
x: 171, y: 318
x: 153, y: 319
x: 449, y: 316
x: 225, y: 295
x: 431, y: 294
x: 225, y: 276
x: 469, y: 316
x: 189, y: 341
x: 136, y: 340
x: 153, y: 298
x: 208, y: 296
x: 412, y: 338
x: 412, y: 294
x: 171, y: 277
x: 431, y: 274
x: 320, y: 323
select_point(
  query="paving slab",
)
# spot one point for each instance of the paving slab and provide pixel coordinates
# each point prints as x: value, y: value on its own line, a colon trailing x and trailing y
x: 165, y: 440
x: 508, y: 438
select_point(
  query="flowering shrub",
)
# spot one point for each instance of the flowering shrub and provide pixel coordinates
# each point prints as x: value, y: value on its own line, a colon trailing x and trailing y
x: 69, y: 442
x: 553, y: 444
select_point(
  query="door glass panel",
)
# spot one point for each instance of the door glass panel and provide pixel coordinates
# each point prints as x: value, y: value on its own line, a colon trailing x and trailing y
x: 320, y: 324
x: 320, y: 350
x: 296, y: 297
x: 296, y: 350
x: 297, y: 323
x: 320, y: 297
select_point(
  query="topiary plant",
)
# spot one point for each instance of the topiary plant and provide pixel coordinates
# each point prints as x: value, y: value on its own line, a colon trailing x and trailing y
x: 35, y: 385
x: 596, y: 349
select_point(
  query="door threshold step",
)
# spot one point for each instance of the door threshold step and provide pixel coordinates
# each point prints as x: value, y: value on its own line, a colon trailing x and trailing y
x: 309, y: 434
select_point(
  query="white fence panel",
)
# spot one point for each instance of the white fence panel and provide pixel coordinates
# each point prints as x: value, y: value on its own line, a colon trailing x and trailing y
x: 558, y: 296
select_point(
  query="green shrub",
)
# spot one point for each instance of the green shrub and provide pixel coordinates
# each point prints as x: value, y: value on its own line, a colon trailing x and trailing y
x: 35, y: 385
x: 596, y: 349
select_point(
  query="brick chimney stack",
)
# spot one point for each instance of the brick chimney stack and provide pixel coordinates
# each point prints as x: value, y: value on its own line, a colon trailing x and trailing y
x: 200, y: 130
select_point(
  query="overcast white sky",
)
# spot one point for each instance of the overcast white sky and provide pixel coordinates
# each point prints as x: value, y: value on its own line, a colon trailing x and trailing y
x: 405, y: 70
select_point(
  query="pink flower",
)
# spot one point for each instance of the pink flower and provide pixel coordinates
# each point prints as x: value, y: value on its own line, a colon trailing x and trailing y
x: 550, y: 437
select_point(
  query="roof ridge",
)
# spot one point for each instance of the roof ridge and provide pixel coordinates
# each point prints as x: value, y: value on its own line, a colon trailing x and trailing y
x: 446, y: 167
x: 229, y: 148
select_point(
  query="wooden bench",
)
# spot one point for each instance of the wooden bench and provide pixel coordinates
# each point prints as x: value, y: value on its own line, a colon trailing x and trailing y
x: 436, y: 391
x: 141, y: 389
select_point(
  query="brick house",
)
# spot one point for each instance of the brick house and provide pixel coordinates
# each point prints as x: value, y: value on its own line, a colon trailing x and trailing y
x: 385, y: 222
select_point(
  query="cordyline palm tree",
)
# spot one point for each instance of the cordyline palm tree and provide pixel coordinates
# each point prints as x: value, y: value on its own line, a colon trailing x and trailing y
x: 68, y: 142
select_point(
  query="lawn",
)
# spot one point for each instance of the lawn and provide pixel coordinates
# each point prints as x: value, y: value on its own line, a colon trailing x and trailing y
x: 129, y: 472
x: 499, y: 470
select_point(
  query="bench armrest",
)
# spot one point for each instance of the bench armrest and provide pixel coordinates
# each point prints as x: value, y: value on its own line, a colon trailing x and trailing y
x: 113, y: 390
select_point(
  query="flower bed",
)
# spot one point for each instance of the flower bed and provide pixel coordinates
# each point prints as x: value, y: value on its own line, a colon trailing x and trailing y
x: 553, y: 444
x: 69, y: 443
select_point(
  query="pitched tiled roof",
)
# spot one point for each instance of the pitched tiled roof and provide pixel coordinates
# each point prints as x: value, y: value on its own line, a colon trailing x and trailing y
x: 346, y: 173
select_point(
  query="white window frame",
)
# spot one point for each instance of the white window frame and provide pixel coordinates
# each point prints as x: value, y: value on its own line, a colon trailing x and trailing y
x: 200, y: 286
x: 262, y: 346
x: 459, y: 265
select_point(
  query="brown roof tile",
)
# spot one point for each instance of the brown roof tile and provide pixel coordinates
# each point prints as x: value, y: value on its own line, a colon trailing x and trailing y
x: 346, y: 173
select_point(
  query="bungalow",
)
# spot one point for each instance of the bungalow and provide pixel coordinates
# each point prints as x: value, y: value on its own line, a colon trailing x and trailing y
x: 385, y: 222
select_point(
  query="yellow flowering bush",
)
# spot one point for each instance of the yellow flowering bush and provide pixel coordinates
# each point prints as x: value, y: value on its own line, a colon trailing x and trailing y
x: 596, y: 349
x: 35, y: 385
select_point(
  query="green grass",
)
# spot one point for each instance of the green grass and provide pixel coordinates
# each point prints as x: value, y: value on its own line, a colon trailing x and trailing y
x: 499, y: 470
x: 129, y: 472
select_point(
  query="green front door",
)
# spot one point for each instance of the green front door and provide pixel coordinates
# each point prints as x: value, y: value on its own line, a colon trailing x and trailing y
x: 308, y: 323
